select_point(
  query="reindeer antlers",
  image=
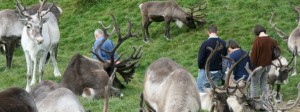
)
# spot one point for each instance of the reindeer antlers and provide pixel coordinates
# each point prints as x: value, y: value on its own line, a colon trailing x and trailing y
x: 200, y: 8
x: 212, y: 53
x: 279, y: 32
x: 22, y: 9
x: 23, y: 12
x: 41, y: 8
x: 127, y: 66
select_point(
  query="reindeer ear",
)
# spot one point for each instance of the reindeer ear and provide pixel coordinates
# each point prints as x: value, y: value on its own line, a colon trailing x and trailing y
x: 44, y: 20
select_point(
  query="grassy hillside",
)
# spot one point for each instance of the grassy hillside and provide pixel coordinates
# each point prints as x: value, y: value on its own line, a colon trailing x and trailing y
x: 235, y: 19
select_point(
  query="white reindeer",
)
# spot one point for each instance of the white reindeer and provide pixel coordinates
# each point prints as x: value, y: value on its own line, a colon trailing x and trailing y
x: 293, y: 39
x: 40, y: 35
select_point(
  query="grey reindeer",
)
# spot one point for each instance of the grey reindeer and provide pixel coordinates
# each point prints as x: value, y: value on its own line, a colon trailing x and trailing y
x: 169, y: 11
x: 293, y: 40
x: 11, y: 27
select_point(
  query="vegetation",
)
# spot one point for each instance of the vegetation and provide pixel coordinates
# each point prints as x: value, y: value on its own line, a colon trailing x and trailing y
x: 235, y: 19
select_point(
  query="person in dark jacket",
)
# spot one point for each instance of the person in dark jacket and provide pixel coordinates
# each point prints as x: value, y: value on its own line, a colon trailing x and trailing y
x: 236, y: 53
x: 216, y: 62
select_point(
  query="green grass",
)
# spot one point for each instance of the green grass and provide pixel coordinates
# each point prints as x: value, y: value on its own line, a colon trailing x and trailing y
x: 235, y: 19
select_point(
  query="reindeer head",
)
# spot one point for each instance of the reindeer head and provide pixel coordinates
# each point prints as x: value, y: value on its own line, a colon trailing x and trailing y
x: 199, y: 18
x: 34, y: 23
x: 220, y: 95
x: 284, y: 69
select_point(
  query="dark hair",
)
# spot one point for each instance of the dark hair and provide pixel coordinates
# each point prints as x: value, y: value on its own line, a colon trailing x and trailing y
x: 232, y: 44
x: 258, y: 29
x: 212, y: 29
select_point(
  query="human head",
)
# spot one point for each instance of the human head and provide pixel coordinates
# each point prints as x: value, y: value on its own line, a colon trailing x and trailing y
x: 258, y: 29
x: 232, y: 44
x: 98, y: 33
x: 212, y: 29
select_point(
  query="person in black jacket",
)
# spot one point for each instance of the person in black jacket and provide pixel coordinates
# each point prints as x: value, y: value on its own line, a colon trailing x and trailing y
x: 216, y: 61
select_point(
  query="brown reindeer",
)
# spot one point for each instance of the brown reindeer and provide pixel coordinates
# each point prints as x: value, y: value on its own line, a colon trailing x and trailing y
x: 168, y: 87
x: 88, y: 77
x: 16, y: 100
x: 168, y: 11
x: 293, y: 40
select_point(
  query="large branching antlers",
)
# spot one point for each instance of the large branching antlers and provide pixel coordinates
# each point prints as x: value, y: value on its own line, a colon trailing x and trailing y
x: 197, y: 8
x: 40, y: 14
x: 273, y: 107
x: 107, y: 90
x: 279, y: 32
x: 127, y: 66
x: 23, y: 12
x: 22, y: 9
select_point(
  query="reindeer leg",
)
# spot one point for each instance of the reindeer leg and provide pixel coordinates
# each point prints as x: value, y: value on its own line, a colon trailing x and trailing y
x: 142, y: 102
x: 278, y: 97
x: 295, y: 65
x: 9, y: 49
x: 34, y: 71
x: 147, y: 29
x: 48, y: 55
x: 41, y: 66
x: 29, y: 71
x: 167, y: 29
x: 145, y: 26
x: 56, y: 70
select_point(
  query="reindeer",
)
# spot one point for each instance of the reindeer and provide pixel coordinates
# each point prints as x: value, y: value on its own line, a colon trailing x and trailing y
x: 278, y: 74
x: 293, y: 40
x: 168, y: 87
x: 50, y: 97
x: 40, y: 36
x: 10, y: 33
x: 168, y: 11
x: 16, y: 100
x: 11, y: 27
x: 87, y: 77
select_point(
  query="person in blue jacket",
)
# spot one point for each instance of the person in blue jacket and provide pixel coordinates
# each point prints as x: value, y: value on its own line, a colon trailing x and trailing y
x: 236, y: 53
x: 216, y: 62
x: 108, y: 45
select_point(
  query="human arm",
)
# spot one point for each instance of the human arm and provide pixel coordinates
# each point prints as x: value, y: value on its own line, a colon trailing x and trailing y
x: 254, y: 54
x: 201, y: 56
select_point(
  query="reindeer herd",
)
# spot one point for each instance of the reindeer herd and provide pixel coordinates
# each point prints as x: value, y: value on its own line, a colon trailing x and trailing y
x: 168, y: 86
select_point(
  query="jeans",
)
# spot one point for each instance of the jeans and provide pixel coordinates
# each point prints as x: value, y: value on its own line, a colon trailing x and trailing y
x: 261, y: 77
x: 203, y: 82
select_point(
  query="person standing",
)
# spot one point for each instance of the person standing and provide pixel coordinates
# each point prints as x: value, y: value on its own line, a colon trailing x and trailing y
x: 216, y: 62
x: 261, y: 55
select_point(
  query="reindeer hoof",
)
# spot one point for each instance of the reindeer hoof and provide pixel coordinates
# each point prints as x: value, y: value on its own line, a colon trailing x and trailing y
x: 146, y: 41
x: 167, y: 38
x: 27, y: 88
x: 278, y: 100
x: 294, y: 74
x: 57, y: 74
